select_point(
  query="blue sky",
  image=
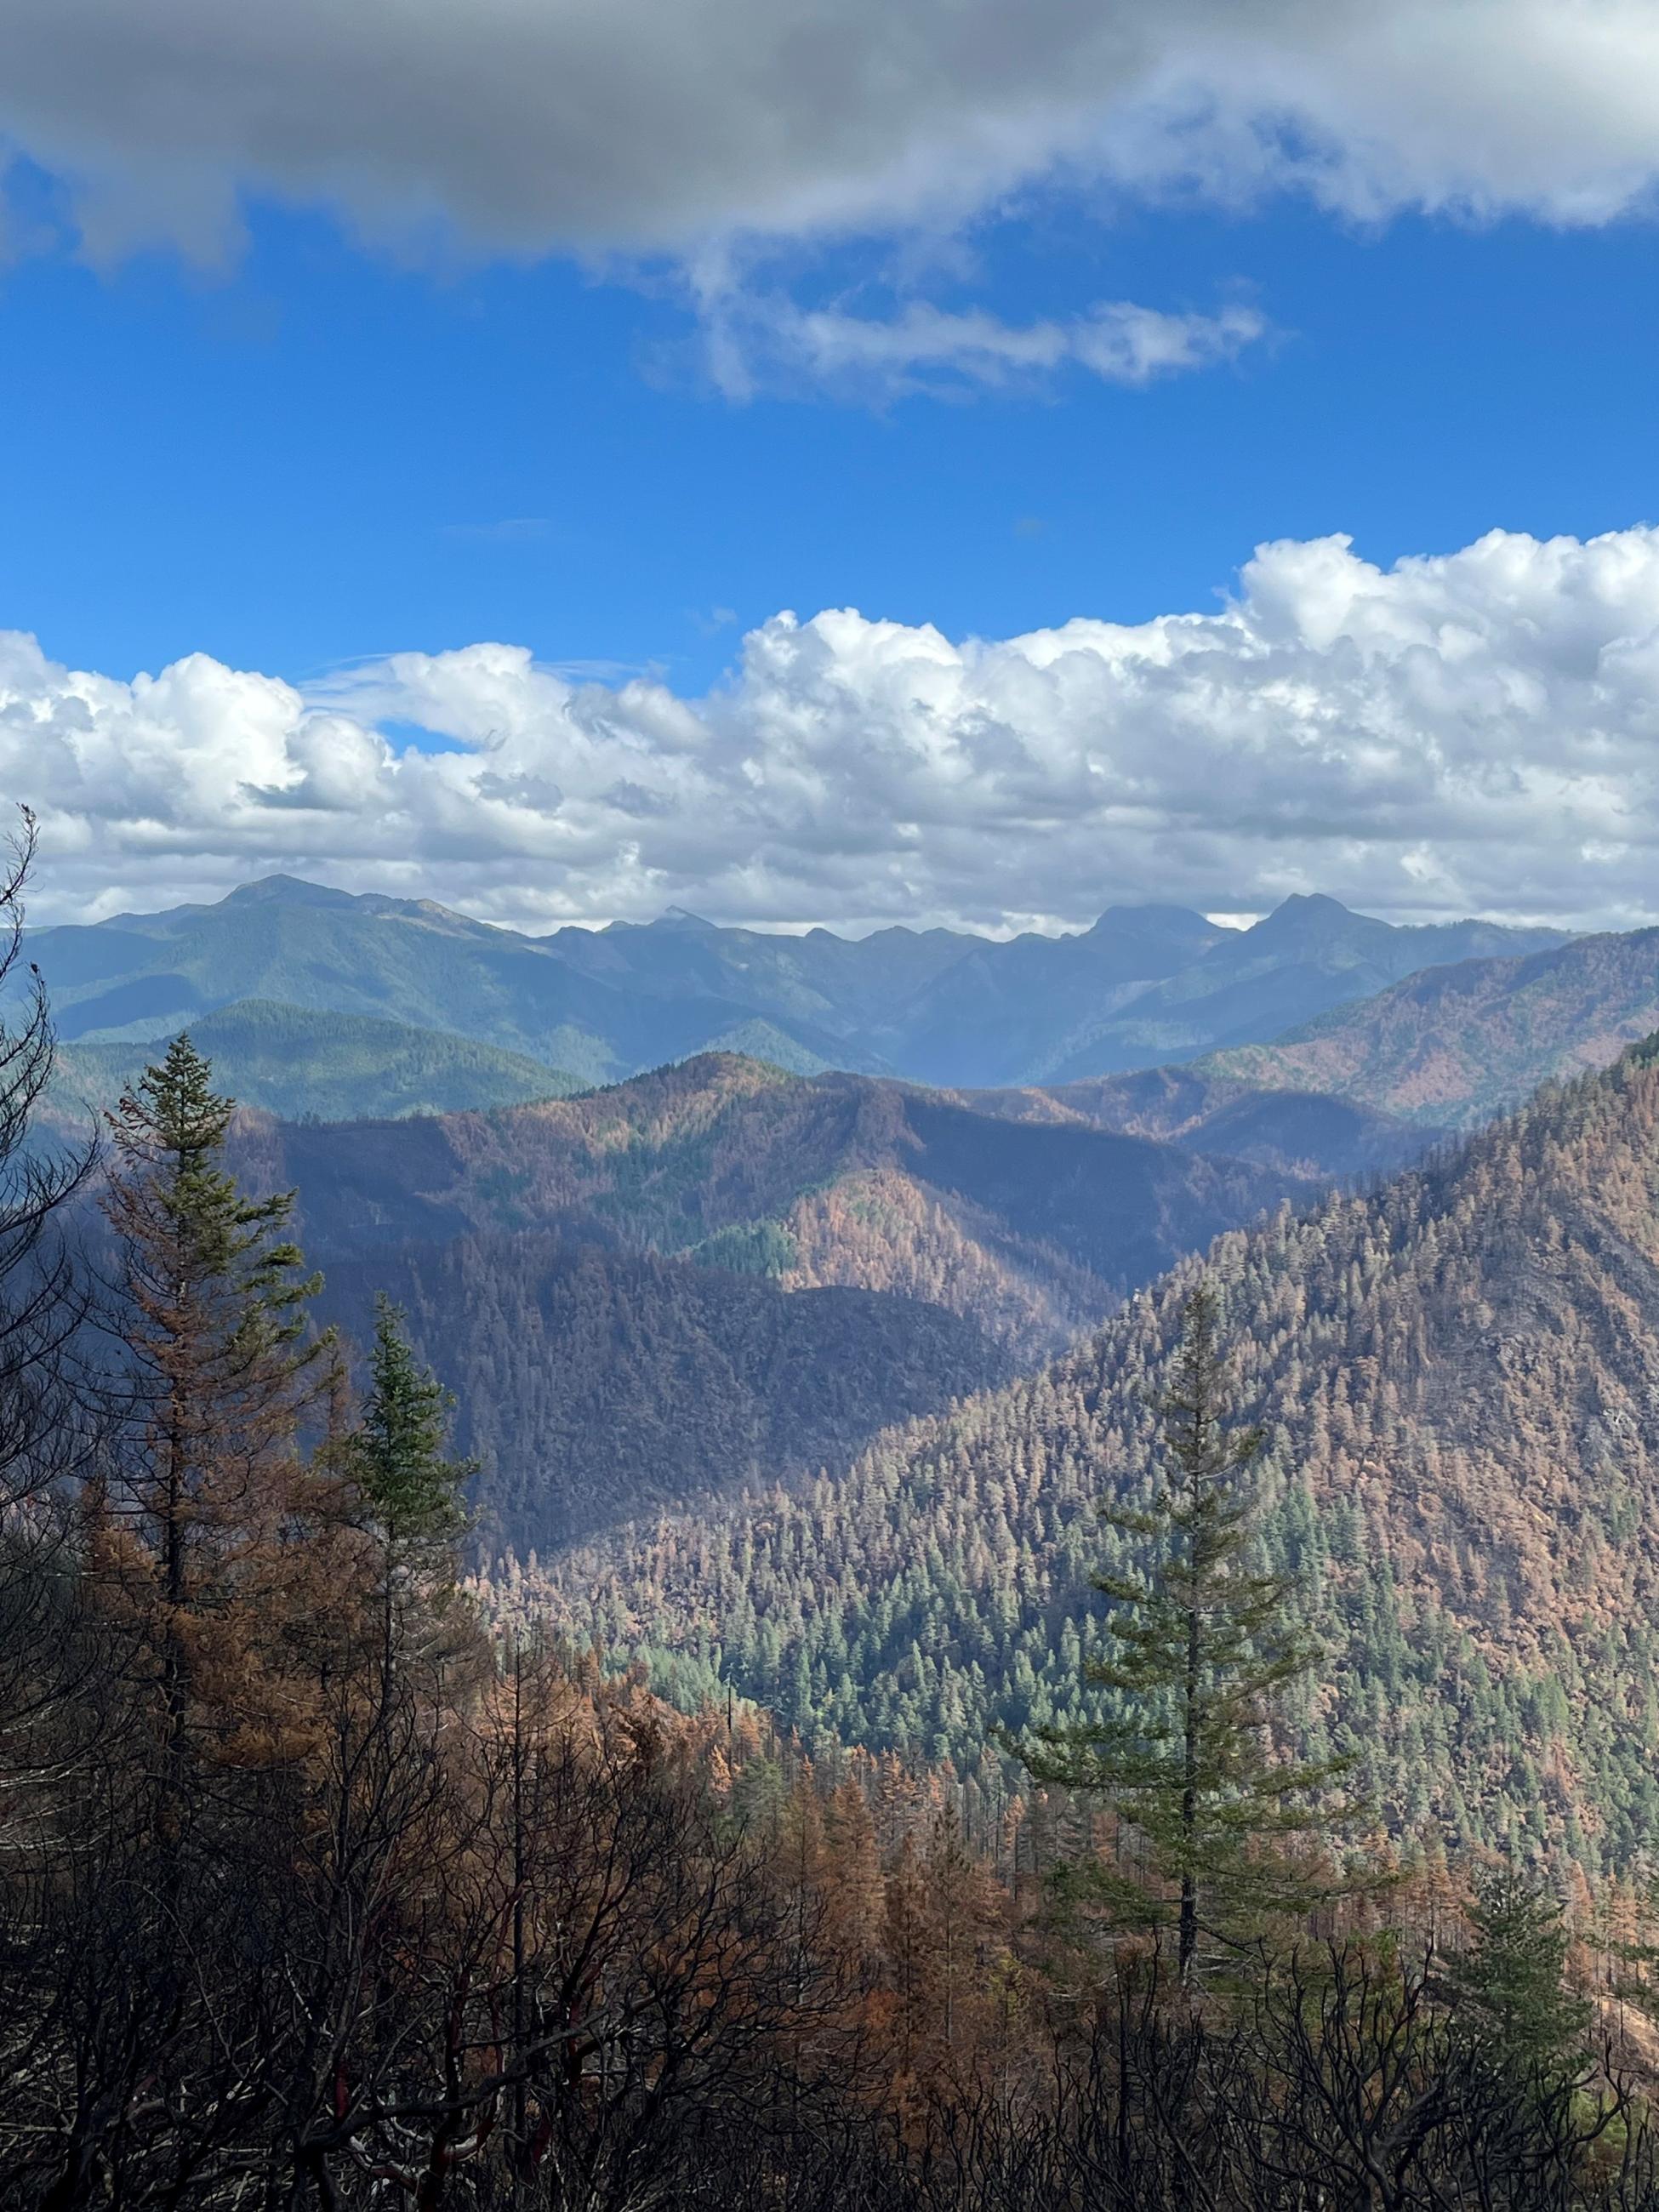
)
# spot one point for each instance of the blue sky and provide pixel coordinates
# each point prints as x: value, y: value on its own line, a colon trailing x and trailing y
x: 441, y: 439
x: 318, y: 454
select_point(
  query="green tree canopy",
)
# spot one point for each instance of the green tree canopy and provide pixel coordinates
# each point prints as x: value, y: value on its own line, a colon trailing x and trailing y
x: 1509, y: 1990
x: 1203, y: 1647
x: 217, y: 1293
x: 208, y: 1484
x: 397, y: 1453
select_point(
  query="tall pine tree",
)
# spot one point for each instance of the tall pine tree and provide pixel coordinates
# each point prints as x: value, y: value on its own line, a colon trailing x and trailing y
x: 224, y: 1365
x: 396, y: 1459
x: 1205, y: 1647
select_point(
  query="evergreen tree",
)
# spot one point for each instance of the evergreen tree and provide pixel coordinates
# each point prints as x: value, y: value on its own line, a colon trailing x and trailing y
x: 1508, y: 1989
x: 396, y: 1460
x: 398, y: 1451
x: 224, y: 1366
x: 1205, y: 1649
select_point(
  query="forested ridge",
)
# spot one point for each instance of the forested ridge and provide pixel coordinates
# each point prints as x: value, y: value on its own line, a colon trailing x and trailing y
x: 1459, y: 1376
x: 1322, y: 1135
x: 596, y: 1383
x: 721, y: 1275
x: 308, y: 1064
x: 1454, y: 1045
x: 1031, y: 1232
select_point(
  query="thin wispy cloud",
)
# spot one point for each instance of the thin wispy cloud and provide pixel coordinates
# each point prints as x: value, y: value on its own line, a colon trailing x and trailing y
x: 766, y: 342
x: 514, y: 529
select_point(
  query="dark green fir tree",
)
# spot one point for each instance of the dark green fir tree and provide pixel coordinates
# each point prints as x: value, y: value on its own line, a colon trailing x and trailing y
x: 225, y: 1367
x: 398, y: 1459
x: 1202, y: 1650
x: 1508, y: 1989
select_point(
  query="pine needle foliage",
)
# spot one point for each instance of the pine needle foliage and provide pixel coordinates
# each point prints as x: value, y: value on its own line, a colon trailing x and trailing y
x: 398, y: 1455
x: 209, y: 1486
x: 1508, y: 1989
x: 218, y: 1291
x: 191, y: 1237
x: 1205, y: 1648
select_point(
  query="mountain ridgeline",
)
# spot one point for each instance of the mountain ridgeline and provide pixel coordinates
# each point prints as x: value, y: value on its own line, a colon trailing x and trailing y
x: 1145, y: 985
x: 308, y: 1065
x: 1315, y: 1135
x: 1032, y: 1229
x: 724, y: 1281
x: 1459, y: 1374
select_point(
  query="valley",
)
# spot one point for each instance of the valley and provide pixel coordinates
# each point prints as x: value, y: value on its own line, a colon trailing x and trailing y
x: 722, y: 1274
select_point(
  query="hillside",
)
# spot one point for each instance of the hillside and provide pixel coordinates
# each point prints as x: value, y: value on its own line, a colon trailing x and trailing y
x: 1029, y: 1231
x: 1368, y: 1086
x: 595, y: 1383
x: 1297, y: 1131
x: 722, y: 1274
x: 1454, y: 1046
x: 1145, y: 985
x: 1460, y: 1375
x: 301, y: 1064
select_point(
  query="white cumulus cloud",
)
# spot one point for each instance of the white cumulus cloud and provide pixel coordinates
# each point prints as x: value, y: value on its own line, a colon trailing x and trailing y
x: 1477, y: 732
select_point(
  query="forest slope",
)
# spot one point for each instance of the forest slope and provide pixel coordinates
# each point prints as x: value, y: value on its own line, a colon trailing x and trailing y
x: 303, y: 1064
x: 1455, y: 1045
x: 1298, y: 1133
x: 1460, y: 1376
x: 596, y: 1383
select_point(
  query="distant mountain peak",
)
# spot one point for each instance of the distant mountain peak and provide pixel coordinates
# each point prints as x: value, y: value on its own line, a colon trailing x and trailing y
x: 1311, y: 903
x: 295, y: 891
x: 1176, y: 920
x: 1309, y: 913
x: 288, y: 891
x: 1149, y: 909
x: 680, y: 917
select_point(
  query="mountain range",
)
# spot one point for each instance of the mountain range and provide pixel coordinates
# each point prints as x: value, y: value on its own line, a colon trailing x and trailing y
x: 1145, y: 985
x: 1453, y: 1046
x: 743, y: 1166
x: 722, y: 1272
